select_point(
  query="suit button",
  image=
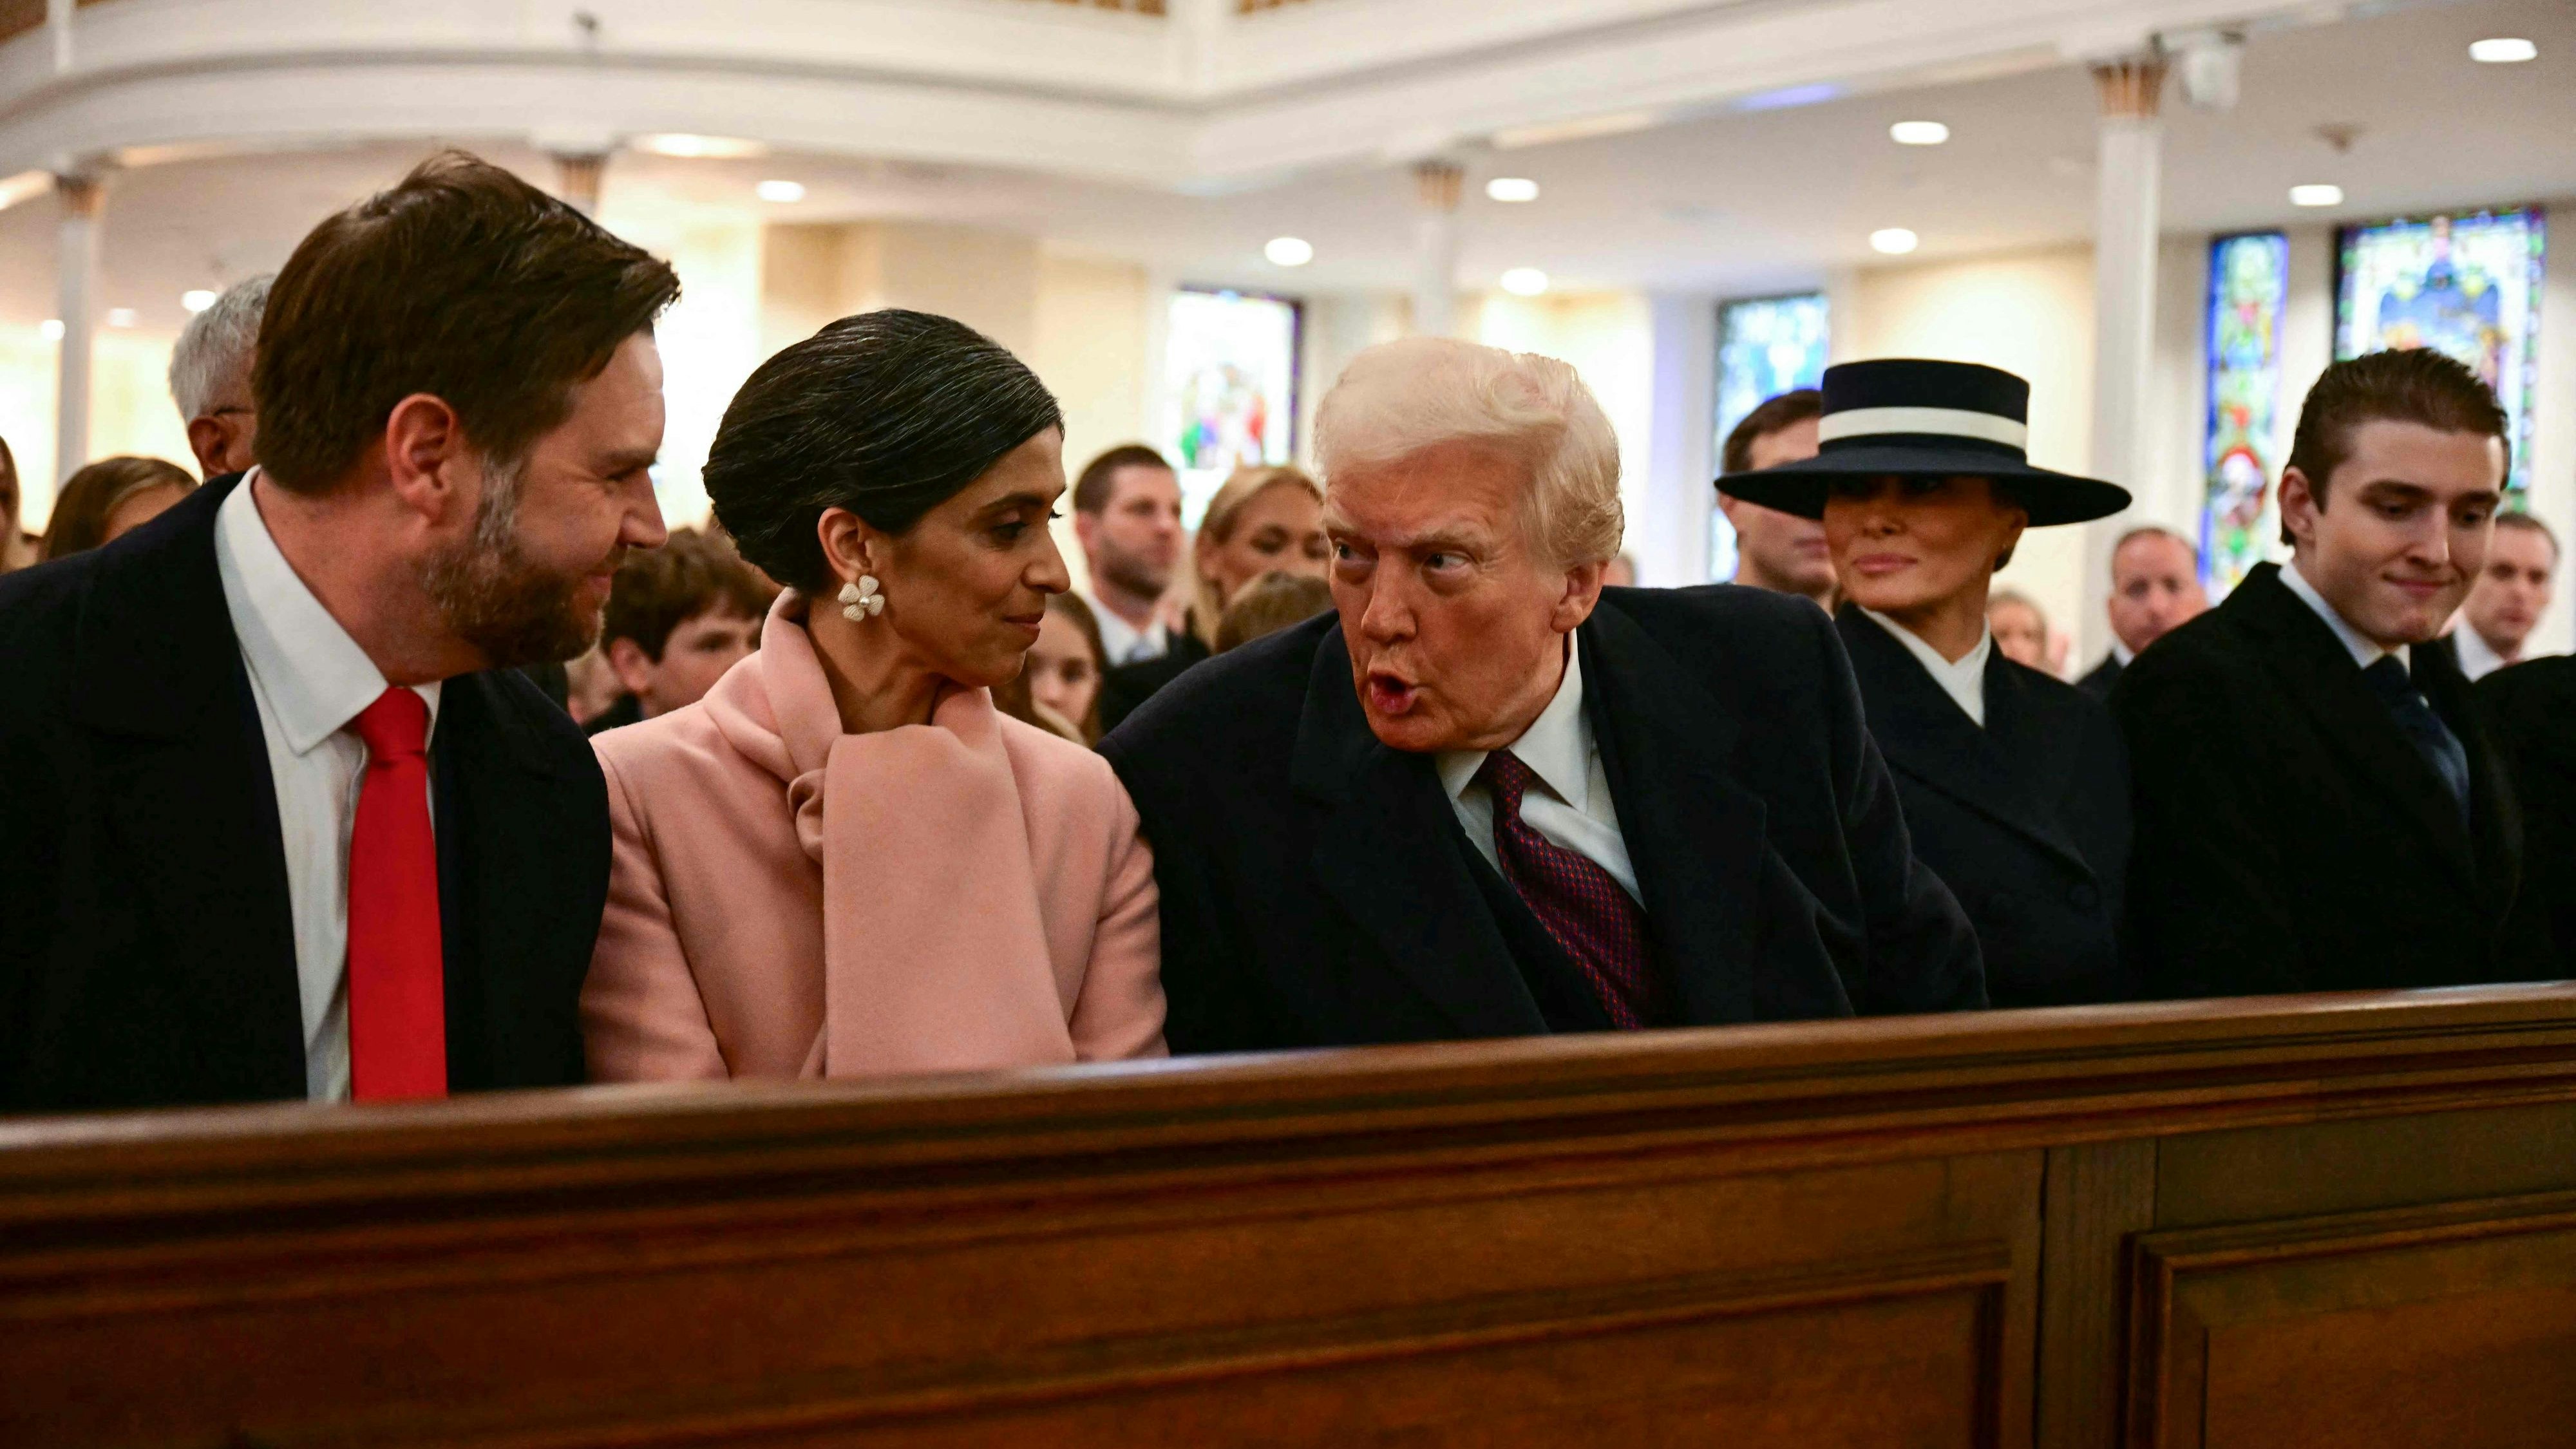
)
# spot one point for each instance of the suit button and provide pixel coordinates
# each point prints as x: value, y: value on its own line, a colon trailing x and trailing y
x: 2083, y: 896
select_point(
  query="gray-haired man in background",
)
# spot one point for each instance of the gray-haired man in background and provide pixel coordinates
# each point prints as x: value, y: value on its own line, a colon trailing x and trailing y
x: 210, y: 378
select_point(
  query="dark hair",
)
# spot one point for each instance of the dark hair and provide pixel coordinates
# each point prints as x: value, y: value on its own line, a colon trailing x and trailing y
x: 658, y: 590
x: 81, y: 510
x: 463, y: 282
x: 1091, y: 491
x: 1269, y: 604
x: 2414, y: 385
x: 2529, y: 524
x: 887, y: 414
x: 1785, y: 411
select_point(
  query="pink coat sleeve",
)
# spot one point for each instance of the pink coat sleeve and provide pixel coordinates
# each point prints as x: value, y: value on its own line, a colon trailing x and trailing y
x: 641, y: 1016
x: 1120, y: 1011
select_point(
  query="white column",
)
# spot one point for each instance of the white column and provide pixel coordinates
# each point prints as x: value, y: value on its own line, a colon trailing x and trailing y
x: 2127, y: 185
x: 1435, y: 247
x: 76, y: 298
x: 1670, y: 534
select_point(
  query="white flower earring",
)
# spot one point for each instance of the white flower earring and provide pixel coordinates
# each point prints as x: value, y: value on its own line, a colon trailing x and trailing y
x: 861, y: 600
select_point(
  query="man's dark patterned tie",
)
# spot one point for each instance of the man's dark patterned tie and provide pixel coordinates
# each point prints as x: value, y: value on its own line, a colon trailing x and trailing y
x: 1583, y: 906
x: 2423, y: 728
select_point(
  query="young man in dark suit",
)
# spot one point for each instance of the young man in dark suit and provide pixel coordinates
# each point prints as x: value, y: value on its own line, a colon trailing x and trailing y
x: 282, y: 820
x: 1489, y: 798
x: 2318, y: 803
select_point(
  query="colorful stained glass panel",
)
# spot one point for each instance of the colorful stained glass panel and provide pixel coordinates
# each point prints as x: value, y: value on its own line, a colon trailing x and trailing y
x: 1765, y: 346
x: 2466, y: 283
x: 2248, y: 288
x: 1230, y: 388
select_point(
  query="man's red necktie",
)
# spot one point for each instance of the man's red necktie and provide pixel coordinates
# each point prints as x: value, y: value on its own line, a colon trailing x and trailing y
x: 397, y: 973
x: 1583, y: 906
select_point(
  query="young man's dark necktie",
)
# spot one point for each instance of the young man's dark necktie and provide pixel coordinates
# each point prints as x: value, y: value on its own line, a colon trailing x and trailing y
x: 1582, y: 906
x: 2423, y: 728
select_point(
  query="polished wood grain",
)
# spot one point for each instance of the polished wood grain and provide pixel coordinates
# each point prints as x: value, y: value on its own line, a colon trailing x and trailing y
x: 1979, y: 1231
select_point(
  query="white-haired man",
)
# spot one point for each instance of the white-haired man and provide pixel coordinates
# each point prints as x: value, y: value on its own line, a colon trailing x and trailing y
x: 210, y: 378
x: 1488, y: 798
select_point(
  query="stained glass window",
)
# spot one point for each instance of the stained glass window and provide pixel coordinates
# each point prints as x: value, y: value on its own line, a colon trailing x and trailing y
x: 2248, y: 287
x: 2468, y: 284
x: 1765, y: 346
x: 1229, y: 388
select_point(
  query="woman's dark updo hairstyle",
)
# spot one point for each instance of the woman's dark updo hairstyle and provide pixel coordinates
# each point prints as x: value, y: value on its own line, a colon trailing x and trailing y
x: 887, y: 414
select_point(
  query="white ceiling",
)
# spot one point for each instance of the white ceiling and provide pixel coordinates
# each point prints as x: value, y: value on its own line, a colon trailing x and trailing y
x: 1737, y: 202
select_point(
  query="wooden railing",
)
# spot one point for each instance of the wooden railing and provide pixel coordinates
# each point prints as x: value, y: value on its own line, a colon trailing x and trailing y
x: 2345, y: 1221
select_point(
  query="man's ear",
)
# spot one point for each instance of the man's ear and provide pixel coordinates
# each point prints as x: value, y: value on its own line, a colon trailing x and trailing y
x: 206, y: 439
x: 1086, y: 530
x: 632, y: 666
x: 2299, y: 506
x: 427, y: 458
x: 1582, y: 592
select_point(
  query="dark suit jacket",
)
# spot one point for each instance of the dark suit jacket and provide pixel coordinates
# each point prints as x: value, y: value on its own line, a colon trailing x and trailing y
x: 2098, y: 680
x: 1317, y: 889
x: 146, y: 948
x: 2026, y: 820
x: 2531, y: 708
x: 2288, y: 837
x: 1126, y: 686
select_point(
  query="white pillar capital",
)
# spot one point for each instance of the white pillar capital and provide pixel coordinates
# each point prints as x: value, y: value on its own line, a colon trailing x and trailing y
x: 2130, y: 87
x: 578, y: 175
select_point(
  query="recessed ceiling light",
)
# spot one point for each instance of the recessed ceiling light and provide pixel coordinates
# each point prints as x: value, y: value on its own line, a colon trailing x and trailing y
x: 1289, y: 251
x: 120, y: 317
x: 1896, y: 241
x: 681, y: 143
x: 2320, y: 194
x: 51, y: 329
x: 781, y: 191
x: 2503, y: 50
x: 1512, y: 188
x: 196, y: 299
x: 1918, y: 133
x: 1524, y: 281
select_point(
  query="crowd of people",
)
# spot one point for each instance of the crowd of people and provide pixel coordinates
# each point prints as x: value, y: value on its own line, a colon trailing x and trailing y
x: 411, y: 753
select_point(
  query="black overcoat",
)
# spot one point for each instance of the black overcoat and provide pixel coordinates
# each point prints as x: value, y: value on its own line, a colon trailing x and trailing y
x: 2025, y: 819
x: 146, y: 944
x: 2531, y: 707
x: 2288, y: 837
x: 1318, y: 890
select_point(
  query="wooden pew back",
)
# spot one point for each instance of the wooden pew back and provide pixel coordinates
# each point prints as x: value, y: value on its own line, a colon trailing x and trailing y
x: 2317, y: 1220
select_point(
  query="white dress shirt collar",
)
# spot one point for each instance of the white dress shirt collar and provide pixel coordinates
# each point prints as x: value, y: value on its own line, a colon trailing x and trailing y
x: 314, y: 675
x: 1557, y: 746
x: 2122, y: 652
x: 2478, y: 658
x: 2365, y: 651
x: 1123, y: 642
x: 1963, y: 679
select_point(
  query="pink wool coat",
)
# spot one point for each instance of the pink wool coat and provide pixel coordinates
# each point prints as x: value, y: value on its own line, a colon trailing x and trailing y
x: 789, y: 901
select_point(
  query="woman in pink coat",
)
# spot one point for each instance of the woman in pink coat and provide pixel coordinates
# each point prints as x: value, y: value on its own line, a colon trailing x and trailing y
x: 843, y: 862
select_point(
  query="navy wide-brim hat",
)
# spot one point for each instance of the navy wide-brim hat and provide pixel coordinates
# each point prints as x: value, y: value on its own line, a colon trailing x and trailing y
x: 1911, y: 418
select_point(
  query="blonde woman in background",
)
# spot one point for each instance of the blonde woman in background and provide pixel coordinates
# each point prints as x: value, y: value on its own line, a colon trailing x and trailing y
x: 1265, y: 520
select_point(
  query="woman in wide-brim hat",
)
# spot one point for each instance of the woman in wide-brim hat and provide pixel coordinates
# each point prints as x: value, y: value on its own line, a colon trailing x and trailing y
x: 2014, y: 783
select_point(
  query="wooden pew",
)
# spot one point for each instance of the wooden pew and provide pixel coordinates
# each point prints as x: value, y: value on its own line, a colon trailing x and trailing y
x: 2345, y: 1221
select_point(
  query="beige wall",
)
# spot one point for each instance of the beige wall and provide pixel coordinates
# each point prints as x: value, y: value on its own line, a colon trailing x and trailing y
x: 2029, y: 313
x: 130, y: 407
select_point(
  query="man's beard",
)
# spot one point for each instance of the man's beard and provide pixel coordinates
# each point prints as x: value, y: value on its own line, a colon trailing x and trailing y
x: 494, y: 597
x: 1134, y: 573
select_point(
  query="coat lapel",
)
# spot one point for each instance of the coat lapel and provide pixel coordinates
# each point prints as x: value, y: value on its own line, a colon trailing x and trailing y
x: 185, y: 781
x: 1387, y: 849
x: 2355, y: 723
x: 2004, y: 771
x: 1695, y: 838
